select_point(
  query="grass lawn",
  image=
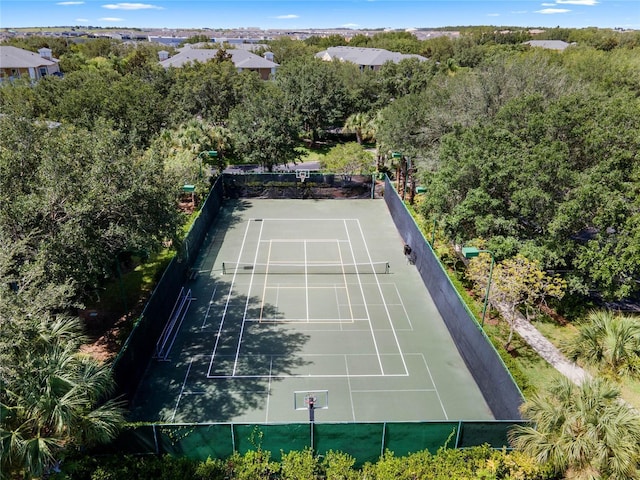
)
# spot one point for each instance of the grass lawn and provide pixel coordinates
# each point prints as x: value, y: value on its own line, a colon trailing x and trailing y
x: 562, y: 335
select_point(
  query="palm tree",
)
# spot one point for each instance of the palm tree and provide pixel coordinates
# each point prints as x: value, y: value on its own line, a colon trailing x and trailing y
x: 611, y: 342
x: 57, y: 398
x: 361, y: 125
x: 584, y: 432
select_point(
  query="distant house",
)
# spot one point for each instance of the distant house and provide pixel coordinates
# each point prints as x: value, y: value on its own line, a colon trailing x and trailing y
x: 548, y: 44
x: 166, y: 41
x: 18, y: 63
x: 242, y: 59
x: 365, y: 58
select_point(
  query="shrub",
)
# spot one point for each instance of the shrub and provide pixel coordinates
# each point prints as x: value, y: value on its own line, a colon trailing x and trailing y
x: 299, y: 465
x: 339, y: 466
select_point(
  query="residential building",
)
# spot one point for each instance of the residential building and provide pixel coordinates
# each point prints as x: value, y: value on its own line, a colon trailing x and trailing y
x: 19, y: 63
x: 365, y: 58
x: 242, y: 59
x: 549, y: 44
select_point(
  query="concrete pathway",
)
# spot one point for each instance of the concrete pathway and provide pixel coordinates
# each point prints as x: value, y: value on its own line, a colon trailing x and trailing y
x: 545, y: 348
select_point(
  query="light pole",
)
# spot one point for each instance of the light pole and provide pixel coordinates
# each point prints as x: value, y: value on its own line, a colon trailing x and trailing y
x: 397, y: 155
x: 472, y: 252
x: 210, y: 154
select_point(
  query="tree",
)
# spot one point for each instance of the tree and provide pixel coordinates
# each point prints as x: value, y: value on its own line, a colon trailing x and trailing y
x: 407, y: 76
x: 208, y: 90
x: 515, y: 281
x: 609, y: 341
x: 53, y: 397
x: 263, y: 129
x: 584, y: 432
x: 314, y: 93
x: 285, y: 50
x: 361, y: 125
x: 183, y: 148
x: 348, y: 159
x: 80, y: 199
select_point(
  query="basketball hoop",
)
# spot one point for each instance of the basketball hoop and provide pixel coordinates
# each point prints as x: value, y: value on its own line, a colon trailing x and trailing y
x: 302, y: 175
x: 311, y: 401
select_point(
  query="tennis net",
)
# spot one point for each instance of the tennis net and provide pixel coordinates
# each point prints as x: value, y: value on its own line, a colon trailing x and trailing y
x: 305, y: 268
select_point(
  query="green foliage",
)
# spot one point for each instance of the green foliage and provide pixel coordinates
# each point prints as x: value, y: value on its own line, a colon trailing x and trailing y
x: 551, y: 179
x: 210, y: 469
x: 286, y: 50
x: 208, y: 90
x: 302, y: 465
x: 348, y: 159
x: 611, y: 342
x: 479, y: 463
x: 253, y: 465
x: 585, y: 431
x: 264, y: 132
x: 339, y: 466
x: 314, y: 93
x: 53, y: 397
x: 83, y: 202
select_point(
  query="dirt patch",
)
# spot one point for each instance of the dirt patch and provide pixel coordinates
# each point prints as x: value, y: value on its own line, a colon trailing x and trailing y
x: 107, y: 331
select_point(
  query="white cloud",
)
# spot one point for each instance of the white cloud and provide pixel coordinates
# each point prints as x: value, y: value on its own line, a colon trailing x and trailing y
x: 82, y: 20
x: 287, y: 17
x: 578, y: 2
x: 131, y: 6
x: 64, y: 4
x: 551, y: 11
x: 548, y: 4
x: 493, y: 14
x: 112, y: 19
x: 520, y: 12
x: 350, y: 25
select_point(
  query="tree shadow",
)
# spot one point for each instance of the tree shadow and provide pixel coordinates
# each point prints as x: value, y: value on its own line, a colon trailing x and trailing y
x: 222, y: 368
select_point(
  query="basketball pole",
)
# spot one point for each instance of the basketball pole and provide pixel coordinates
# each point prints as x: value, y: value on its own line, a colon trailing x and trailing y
x: 312, y: 415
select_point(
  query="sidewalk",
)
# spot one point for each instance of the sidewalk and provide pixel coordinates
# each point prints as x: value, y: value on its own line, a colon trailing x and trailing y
x: 545, y: 348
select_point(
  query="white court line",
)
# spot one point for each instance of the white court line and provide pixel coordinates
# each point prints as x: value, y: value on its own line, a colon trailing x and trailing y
x: 298, y: 240
x: 206, y: 315
x: 335, y: 289
x: 308, y: 375
x: 404, y: 308
x: 184, y: 382
x: 346, y: 285
x: 353, y: 408
x: 435, y: 387
x: 306, y: 280
x: 246, y: 305
x: 226, y: 305
x: 266, y: 276
x: 386, y: 308
x: 407, y: 390
x: 366, y: 307
x: 266, y: 420
x: 299, y: 321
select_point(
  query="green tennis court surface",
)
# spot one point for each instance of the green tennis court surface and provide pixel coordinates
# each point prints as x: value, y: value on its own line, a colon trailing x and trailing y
x: 295, y: 296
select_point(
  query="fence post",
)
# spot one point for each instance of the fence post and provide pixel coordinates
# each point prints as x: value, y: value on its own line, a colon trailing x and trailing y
x: 313, y: 445
x: 233, y: 438
x: 155, y: 439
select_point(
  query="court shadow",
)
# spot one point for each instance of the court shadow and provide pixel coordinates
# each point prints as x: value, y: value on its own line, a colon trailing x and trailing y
x: 220, y: 369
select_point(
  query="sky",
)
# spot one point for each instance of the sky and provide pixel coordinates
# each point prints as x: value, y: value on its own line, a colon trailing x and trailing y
x: 304, y: 14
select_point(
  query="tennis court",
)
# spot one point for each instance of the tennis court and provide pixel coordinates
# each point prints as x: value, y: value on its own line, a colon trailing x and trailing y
x: 298, y: 301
